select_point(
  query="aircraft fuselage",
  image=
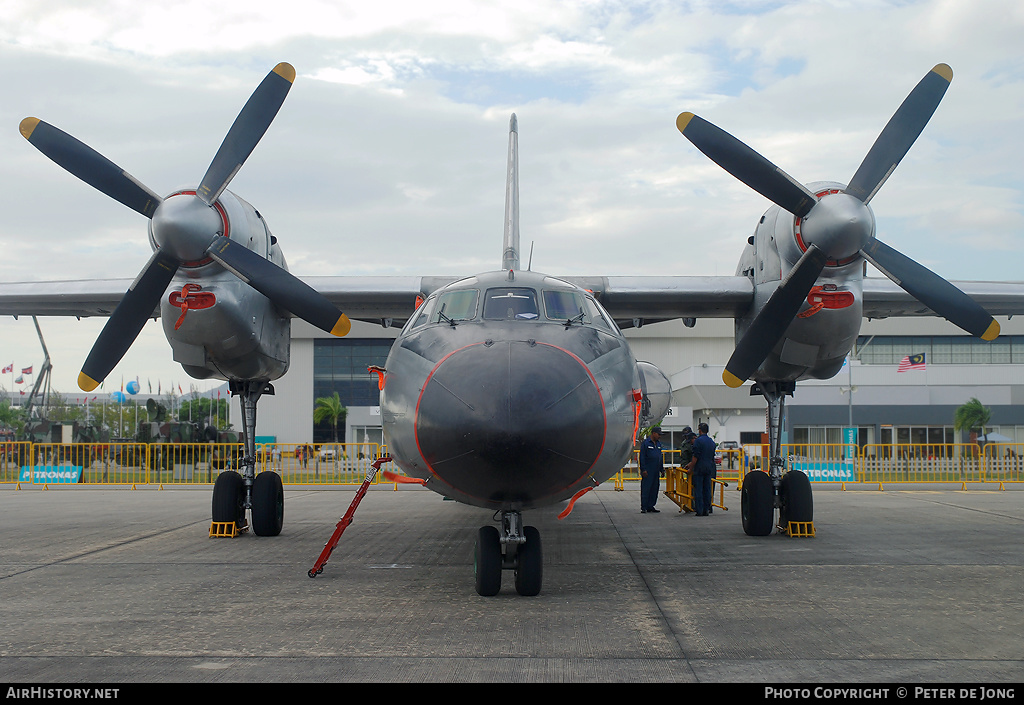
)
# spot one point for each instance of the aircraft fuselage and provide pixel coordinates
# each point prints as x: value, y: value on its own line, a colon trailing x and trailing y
x: 510, y: 394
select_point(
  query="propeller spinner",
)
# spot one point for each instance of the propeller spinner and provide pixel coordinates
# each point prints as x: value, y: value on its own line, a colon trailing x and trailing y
x: 837, y: 226
x: 186, y: 228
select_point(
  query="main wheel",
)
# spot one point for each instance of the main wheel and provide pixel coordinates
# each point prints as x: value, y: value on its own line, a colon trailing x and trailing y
x: 487, y: 561
x: 529, y: 563
x: 757, y: 504
x: 267, y: 504
x: 796, y: 502
x: 229, y: 498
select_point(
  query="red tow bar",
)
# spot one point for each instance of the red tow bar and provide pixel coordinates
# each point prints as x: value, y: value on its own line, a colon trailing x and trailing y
x: 318, y: 567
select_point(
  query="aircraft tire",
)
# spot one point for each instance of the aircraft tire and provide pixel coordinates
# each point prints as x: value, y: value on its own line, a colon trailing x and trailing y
x: 529, y: 564
x: 487, y: 561
x: 229, y: 498
x: 267, y: 504
x: 796, y: 501
x: 757, y: 504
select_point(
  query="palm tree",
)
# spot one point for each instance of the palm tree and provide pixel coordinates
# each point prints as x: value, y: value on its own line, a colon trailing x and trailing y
x: 972, y: 415
x: 330, y: 409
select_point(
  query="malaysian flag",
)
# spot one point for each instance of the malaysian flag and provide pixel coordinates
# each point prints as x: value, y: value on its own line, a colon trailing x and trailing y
x: 911, y: 362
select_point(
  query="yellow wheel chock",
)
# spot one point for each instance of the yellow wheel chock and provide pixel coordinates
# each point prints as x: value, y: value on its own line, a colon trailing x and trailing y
x: 800, y: 529
x: 223, y: 530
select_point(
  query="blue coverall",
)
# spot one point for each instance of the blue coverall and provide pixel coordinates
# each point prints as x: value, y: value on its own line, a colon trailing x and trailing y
x: 651, y: 463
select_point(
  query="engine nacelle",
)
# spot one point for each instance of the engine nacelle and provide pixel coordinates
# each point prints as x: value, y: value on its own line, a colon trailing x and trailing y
x: 657, y: 393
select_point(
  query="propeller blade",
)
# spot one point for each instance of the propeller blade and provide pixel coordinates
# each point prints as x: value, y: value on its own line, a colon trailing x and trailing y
x: 747, y: 165
x: 249, y: 127
x: 89, y: 165
x: 932, y: 290
x: 280, y: 286
x: 900, y: 133
x: 125, y: 323
x: 772, y: 321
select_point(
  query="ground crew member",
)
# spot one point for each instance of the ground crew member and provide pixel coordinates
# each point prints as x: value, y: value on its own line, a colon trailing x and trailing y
x: 703, y: 467
x: 651, y: 467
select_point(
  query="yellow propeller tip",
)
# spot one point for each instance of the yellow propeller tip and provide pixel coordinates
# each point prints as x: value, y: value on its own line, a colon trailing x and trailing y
x: 285, y: 71
x: 944, y: 71
x: 86, y: 383
x: 992, y: 332
x: 683, y: 120
x: 731, y: 380
x: 342, y: 327
x: 28, y: 126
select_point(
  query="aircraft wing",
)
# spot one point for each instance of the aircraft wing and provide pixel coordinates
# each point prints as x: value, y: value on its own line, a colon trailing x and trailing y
x: 376, y: 298
x: 625, y: 297
x: 883, y: 298
x: 652, y: 297
x: 84, y: 297
x: 667, y: 297
x: 363, y: 298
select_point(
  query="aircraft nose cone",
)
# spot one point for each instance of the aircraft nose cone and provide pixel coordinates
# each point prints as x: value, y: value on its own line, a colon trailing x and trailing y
x: 510, y: 422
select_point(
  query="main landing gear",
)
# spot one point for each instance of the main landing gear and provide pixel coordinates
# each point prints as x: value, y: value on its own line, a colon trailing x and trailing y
x: 234, y: 492
x: 763, y: 492
x: 515, y: 548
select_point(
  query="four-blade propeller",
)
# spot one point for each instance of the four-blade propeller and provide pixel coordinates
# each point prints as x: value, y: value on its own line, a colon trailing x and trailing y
x: 185, y: 227
x: 837, y: 226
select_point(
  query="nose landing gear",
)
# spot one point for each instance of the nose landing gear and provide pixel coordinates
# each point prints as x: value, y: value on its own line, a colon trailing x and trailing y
x: 516, y: 548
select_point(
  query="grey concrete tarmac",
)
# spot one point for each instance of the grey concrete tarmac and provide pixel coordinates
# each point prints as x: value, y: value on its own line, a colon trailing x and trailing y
x: 909, y: 585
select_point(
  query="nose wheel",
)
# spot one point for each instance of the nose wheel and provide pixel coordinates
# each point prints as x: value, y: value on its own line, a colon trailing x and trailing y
x: 516, y: 548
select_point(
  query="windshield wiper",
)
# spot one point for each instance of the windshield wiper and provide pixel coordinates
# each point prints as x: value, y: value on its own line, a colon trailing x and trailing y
x: 441, y: 316
x: 578, y: 318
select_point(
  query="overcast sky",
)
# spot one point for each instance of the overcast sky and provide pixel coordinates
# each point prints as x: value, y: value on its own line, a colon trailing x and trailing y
x: 388, y: 156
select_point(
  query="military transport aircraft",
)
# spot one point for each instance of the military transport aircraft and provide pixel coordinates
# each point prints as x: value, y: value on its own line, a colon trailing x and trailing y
x: 509, y: 389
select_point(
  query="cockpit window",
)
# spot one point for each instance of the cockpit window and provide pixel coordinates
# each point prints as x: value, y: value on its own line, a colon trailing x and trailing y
x: 455, y: 306
x: 510, y: 303
x: 599, y: 316
x: 565, y: 306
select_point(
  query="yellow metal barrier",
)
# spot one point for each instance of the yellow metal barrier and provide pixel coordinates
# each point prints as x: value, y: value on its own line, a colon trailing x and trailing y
x: 348, y: 463
x: 86, y: 463
x: 821, y: 462
x: 921, y: 462
x: 734, y: 464
x: 882, y: 464
x: 13, y: 454
x: 324, y: 464
x: 135, y: 463
x: 1003, y: 462
x: 679, y: 489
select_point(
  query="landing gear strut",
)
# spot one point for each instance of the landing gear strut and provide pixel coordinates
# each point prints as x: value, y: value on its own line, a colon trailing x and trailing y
x: 789, y: 491
x: 234, y: 492
x: 516, y: 548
